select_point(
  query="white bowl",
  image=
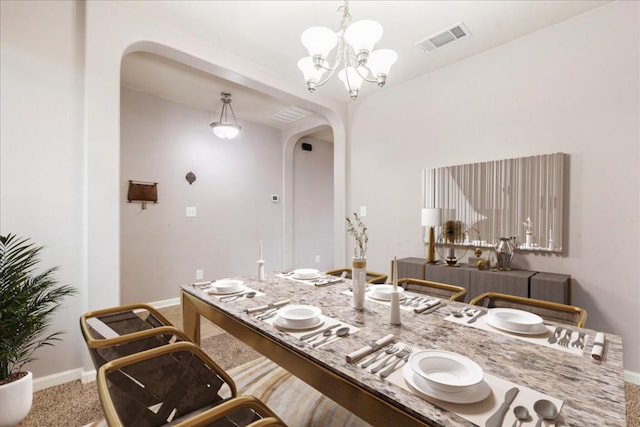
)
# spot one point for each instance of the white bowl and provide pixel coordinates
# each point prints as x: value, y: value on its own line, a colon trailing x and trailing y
x: 445, y: 370
x: 225, y: 286
x: 306, y: 273
x: 384, y: 291
x: 300, y: 316
x: 515, y: 320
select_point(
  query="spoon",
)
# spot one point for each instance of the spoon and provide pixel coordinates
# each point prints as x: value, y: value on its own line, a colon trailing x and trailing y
x: 236, y: 297
x: 521, y: 413
x: 545, y: 410
x: 341, y: 332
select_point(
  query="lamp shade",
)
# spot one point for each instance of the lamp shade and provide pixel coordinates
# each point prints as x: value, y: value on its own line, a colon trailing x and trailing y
x: 319, y: 41
x: 225, y: 130
x: 351, y: 79
x: 381, y: 60
x: 431, y: 217
x: 363, y: 35
x: 309, y: 70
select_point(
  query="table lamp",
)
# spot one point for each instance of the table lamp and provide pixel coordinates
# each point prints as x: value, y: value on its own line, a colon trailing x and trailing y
x: 431, y: 217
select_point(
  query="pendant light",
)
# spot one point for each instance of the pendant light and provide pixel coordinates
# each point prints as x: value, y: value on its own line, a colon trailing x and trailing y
x: 224, y: 128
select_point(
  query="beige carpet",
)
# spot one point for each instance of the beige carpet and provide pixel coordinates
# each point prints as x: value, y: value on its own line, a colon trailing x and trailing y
x: 74, y: 404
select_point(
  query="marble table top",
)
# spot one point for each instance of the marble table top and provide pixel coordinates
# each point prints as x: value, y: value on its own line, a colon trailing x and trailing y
x: 592, y: 392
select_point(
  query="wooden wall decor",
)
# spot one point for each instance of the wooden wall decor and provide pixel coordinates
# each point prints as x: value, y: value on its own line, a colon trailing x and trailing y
x: 142, y: 192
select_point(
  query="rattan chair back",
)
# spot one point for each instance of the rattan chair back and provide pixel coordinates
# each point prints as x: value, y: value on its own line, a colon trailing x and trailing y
x: 435, y: 289
x: 372, y: 276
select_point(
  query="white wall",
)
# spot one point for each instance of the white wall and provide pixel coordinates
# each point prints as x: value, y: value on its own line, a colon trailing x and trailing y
x: 161, y: 248
x: 41, y: 156
x: 562, y: 89
x: 313, y: 205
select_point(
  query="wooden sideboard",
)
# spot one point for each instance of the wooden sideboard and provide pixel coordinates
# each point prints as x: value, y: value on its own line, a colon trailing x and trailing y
x: 531, y: 284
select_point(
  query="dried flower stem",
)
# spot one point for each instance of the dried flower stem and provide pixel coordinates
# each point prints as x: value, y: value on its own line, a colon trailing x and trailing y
x: 359, y: 232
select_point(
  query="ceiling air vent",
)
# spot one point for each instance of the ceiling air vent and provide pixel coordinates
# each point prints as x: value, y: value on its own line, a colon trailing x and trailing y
x: 444, y: 38
x: 291, y: 114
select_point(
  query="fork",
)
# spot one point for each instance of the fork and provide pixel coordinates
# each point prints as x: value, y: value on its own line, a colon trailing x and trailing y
x: 402, y: 356
x: 579, y: 342
x: 385, y: 362
x: 564, y: 341
x: 390, y: 349
x: 556, y: 335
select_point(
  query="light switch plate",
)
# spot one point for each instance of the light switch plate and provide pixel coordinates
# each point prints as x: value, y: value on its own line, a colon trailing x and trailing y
x: 191, y: 211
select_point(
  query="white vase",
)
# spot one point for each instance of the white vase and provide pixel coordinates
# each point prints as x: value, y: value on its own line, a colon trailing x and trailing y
x: 359, y: 279
x: 15, y: 400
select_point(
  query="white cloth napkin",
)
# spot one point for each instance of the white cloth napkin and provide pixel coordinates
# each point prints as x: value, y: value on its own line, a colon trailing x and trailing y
x: 598, y: 347
x: 359, y: 354
x: 427, y: 305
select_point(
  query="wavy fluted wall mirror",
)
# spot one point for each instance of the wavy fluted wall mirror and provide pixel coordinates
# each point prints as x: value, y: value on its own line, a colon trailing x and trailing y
x: 521, y: 198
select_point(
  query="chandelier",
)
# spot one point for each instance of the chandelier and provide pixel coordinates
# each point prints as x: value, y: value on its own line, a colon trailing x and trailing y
x: 224, y: 128
x: 354, y: 55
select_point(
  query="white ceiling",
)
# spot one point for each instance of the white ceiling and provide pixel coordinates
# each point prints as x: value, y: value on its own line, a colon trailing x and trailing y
x: 268, y: 32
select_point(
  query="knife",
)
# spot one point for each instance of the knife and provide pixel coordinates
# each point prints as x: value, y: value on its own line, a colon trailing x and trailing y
x: 496, y: 419
x: 477, y: 316
x: 434, y: 308
x: 313, y: 334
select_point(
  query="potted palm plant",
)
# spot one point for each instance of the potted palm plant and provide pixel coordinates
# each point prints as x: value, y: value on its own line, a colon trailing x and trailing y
x: 28, y: 300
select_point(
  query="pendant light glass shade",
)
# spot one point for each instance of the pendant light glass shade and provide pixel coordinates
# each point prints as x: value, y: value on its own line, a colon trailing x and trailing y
x: 355, y: 60
x: 224, y: 128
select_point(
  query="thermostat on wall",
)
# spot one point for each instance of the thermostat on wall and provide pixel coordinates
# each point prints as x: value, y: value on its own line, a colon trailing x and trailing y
x: 275, y: 198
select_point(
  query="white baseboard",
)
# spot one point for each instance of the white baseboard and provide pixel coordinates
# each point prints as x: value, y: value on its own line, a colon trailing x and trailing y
x: 632, y: 377
x: 88, y: 376
x: 165, y: 303
x: 56, y: 379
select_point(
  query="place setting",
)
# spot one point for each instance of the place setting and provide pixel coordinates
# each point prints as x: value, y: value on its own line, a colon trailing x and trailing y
x: 460, y: 385
x: 307, y: 323
x: 311, y: 276
x: 227, y: 290
x: 522, y: 325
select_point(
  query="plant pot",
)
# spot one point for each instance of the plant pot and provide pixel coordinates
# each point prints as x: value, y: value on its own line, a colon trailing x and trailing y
x: 15, y: 400
x: 359, y: 279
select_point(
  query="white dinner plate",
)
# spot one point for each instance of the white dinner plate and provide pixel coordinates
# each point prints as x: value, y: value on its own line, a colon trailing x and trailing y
x: 295, y: 276
x: 225, y: 287
x: 514, y: 319
x: 422, y: 388
x: 371, y: 295
x: 536, y: 330
x: 446, y: 370
x: 281, y: 323
x: 306, y: 273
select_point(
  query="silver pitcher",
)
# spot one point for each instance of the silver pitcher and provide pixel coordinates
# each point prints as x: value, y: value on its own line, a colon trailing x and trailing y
x: 505, y: 249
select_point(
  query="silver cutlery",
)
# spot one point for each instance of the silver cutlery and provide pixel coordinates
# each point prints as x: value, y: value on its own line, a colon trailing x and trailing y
x: 247, y: 294
x: 330, y: 282
x: 341, y: 332
x: 316, y: 333
x: 556, y: 334
x: 496, y: 419
x: 564, y: 341
x: 579, y: 342
x: 408, y: 301
x: 385, y: 362
x: 522, y: 415
x: 477, y: 316
x: 267, y: 314
x: 390, y: 349
x: 403, y: 356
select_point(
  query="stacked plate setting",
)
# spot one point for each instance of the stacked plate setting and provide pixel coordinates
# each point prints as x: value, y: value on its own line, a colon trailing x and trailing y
x: 447, y: 376
x: 306, y: 273
x: 516, y: 321
x: 225, y: 286
x: 299, y: 317
x: 383, y: 292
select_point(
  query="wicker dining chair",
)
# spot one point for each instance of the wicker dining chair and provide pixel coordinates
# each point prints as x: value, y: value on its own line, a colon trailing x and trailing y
x: 176, y: 384
x: 372, y: 276
x: 548, y: 310
x: 120, y: 331
x: 435, y: 289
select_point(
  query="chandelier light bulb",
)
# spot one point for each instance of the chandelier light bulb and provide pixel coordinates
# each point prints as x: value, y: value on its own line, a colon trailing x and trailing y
x: 352, y: 80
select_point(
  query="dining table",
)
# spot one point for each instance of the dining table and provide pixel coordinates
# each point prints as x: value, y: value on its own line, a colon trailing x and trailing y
x: 586, y: 391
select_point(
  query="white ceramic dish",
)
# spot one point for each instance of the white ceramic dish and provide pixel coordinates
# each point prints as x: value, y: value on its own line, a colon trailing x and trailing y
x: 300, y: 316
x: 515, y: 320
x: 445, y: 370
x: 384, y: 292
x: 226, y: 286
x: 467, y: 395
x: 284, y: 324
x: 536, y: 330
x: 306, y: 273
